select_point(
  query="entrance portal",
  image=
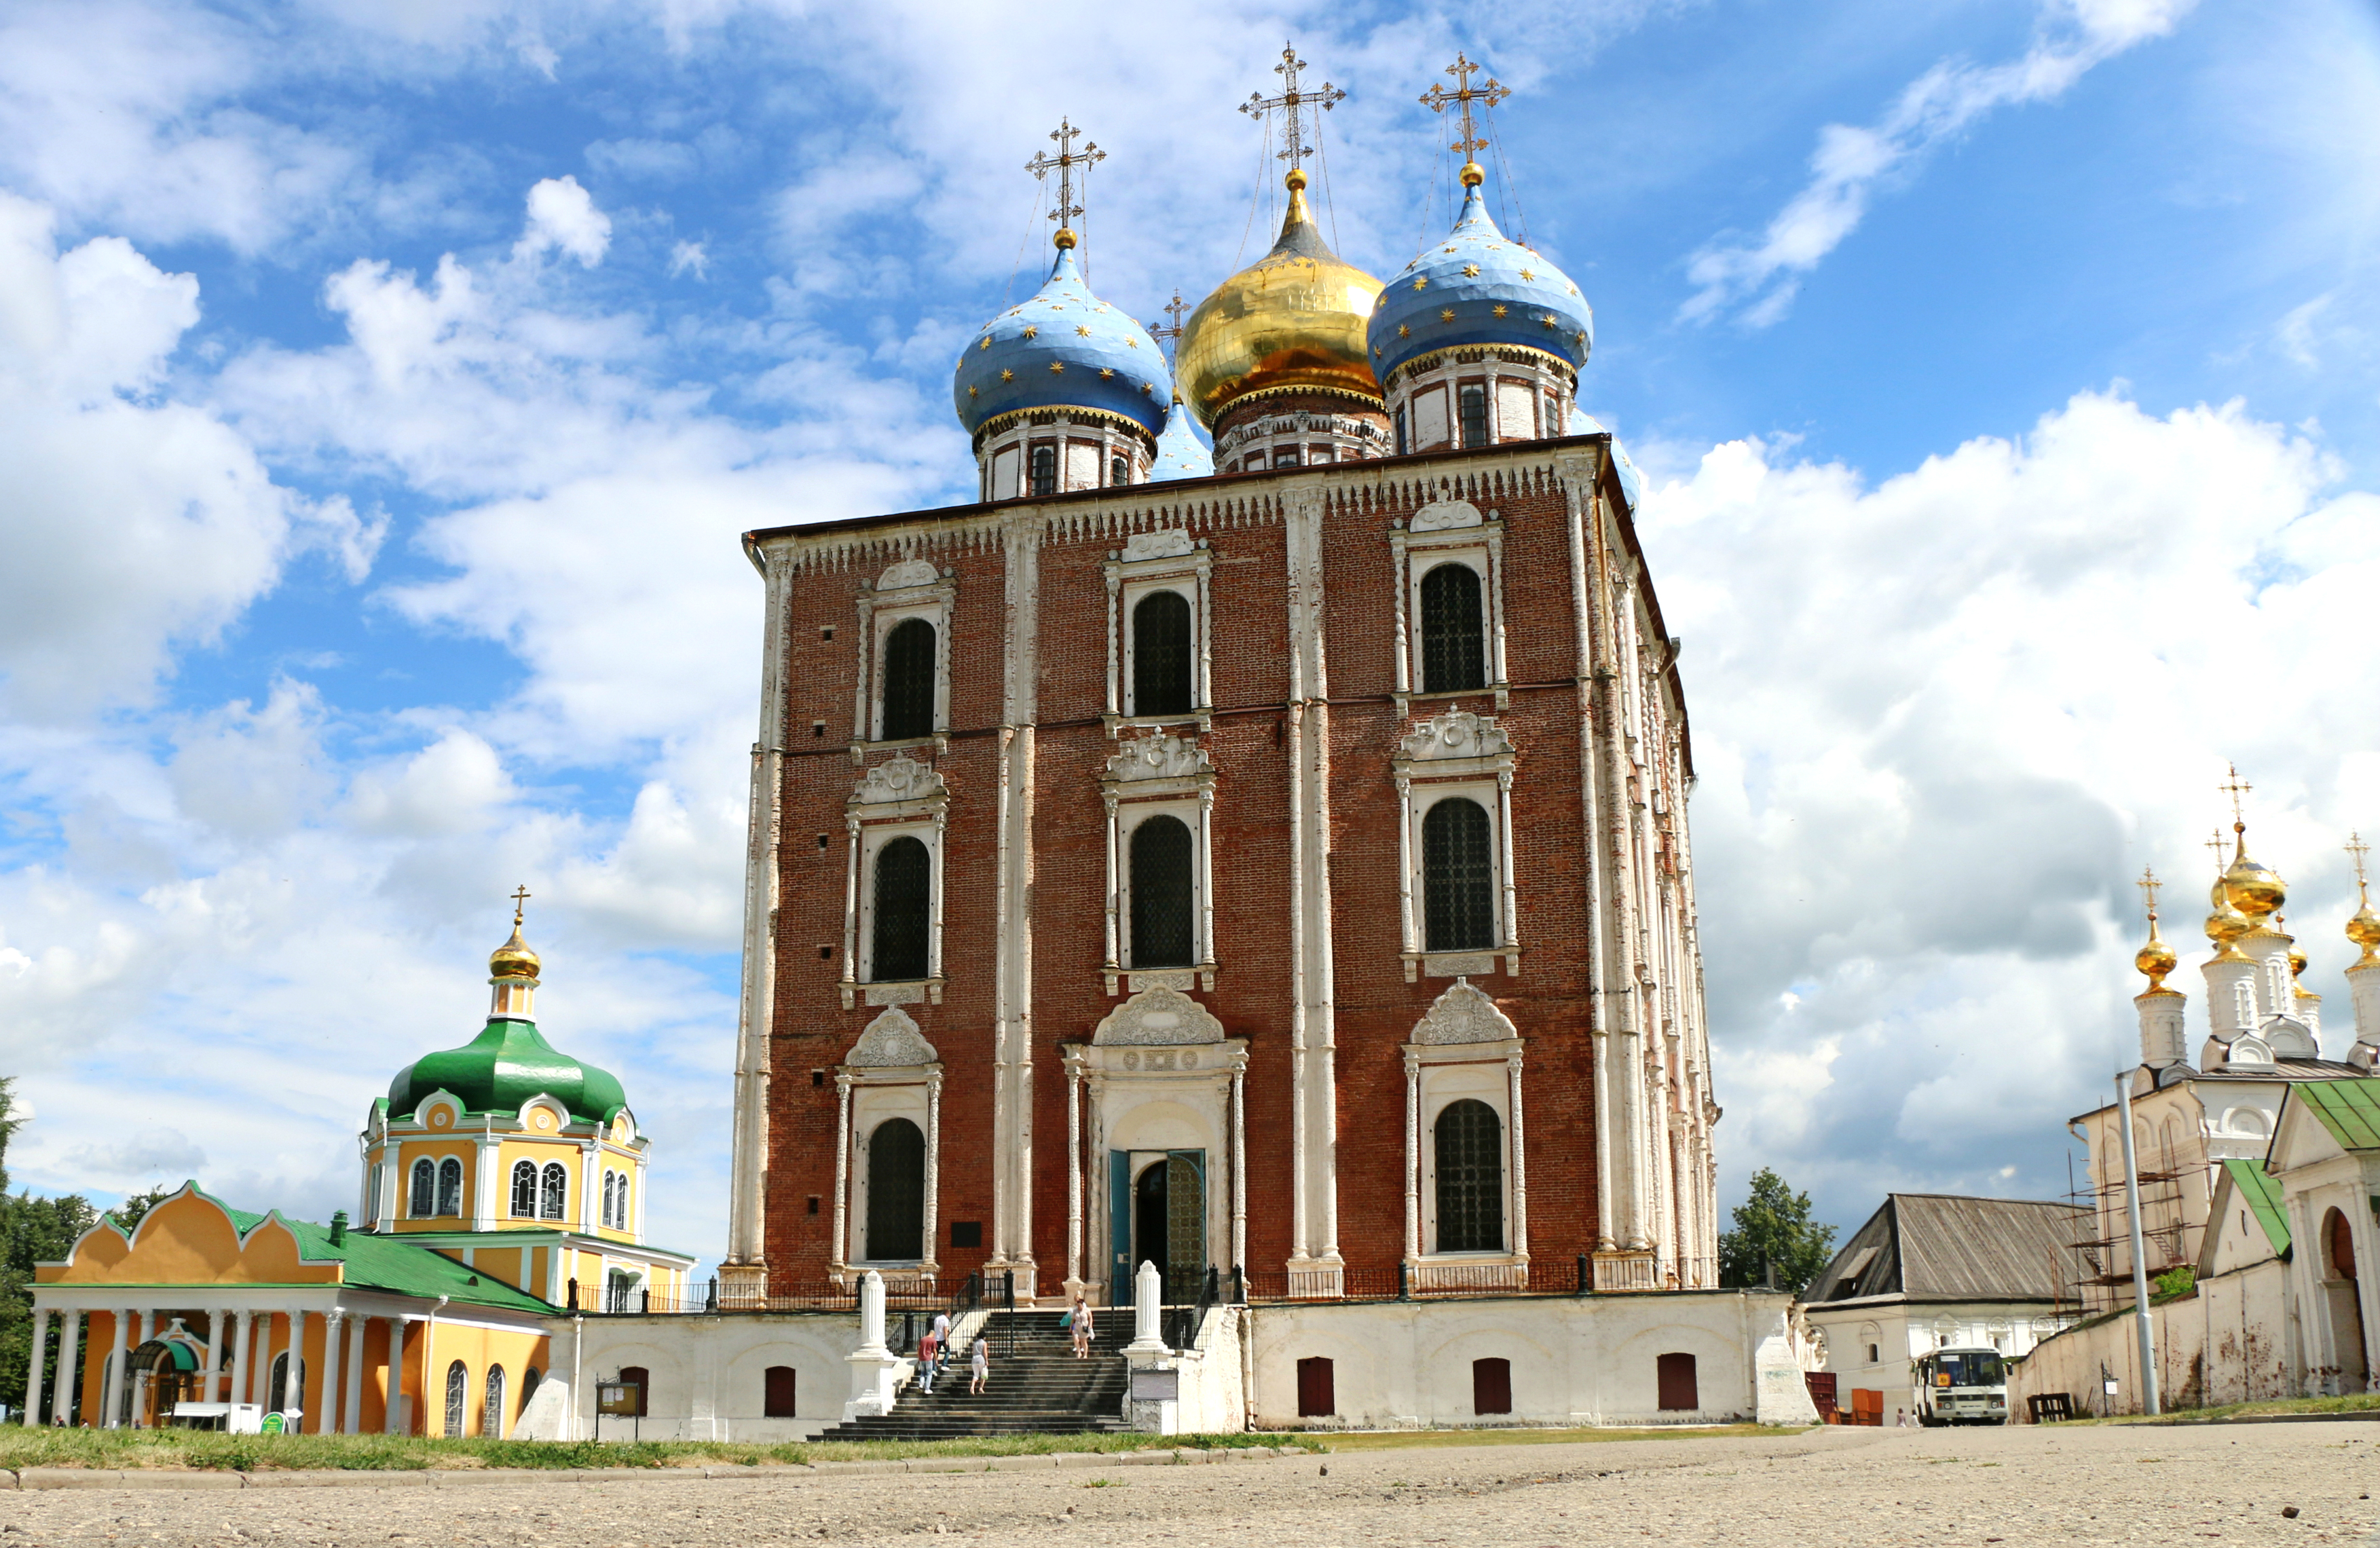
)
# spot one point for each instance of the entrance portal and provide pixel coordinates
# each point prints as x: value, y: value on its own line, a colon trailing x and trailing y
x: 1165, y: 1222
x: 2345, y: 1303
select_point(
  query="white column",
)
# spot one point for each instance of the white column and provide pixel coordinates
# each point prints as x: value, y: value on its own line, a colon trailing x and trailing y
x: 70, y: 1359
x: 352, y: 1422
x: 1205, y: 878
x: 242, y: 1331
x: 392, y: 1421
x: 1147, y: 1290
x: 1520, y: 1166
x: 215, y: 1357
x: 1239, y: 1170
x: 1075, y: 1178
x: 1115, y: 889
x: 837, y: 1253
x: 110, y: 1396
x: 142, y: 1331
x: 293, y: 1380
x: 1413, y: 1159
x: 41, y: 1320
x: 1512, y: 931
x: 328, y: 1424
x: 746, y: 1242
x: 933, y: 1221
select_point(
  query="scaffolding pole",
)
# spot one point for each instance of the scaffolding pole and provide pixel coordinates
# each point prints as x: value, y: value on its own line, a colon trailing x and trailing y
x: 2140, y: 1258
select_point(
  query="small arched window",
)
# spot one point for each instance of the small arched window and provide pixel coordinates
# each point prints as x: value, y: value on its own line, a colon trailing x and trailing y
x: 553, y: 1192
x: 903, y: 895
x: 1458, y: 877
x: 459, y: 1399
x: 620, y: 1204
x: 529, y: 1378
x: 1119, y: 471
x: 908, y: 680
x: 1160, y: 654
x: 605, y: 1219
x: 1045, y: 470
x: 524, y: 1190
x: 491, y: 1408
x: 1162, y: 934
x: 896, y: 1192
x: 1470, y: 1155
x: 1471, y: 405
x: 1453, y: 638
x: 281, y: 1393
x: 638, y: 1377
x: 423, y: 1203
x: 1401, y: 432
x: 450, y: 1187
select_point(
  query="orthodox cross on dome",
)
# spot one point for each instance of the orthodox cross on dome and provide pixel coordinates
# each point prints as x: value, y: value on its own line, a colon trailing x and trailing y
x: 2235, y: 788
x: 1293, y: 103
x: 1174, y: 309
x: 1065, y: 161
x: 2356, y: 849
x: 2148, y: 883
x: 2216, y: 844
x: 520, y: 897
x: 1465, y: 94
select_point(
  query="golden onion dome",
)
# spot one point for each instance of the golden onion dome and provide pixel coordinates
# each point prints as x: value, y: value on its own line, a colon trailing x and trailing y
x: 513, y: 959
x: 2156, y: 959
x: 1293, y: 320
x: 2225, y: 924
x: 2364, y: 931
x: 2253, y: 887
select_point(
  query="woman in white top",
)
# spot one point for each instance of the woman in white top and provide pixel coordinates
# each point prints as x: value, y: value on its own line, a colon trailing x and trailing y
x: 1080, y: 1324
x: 979, y: 1366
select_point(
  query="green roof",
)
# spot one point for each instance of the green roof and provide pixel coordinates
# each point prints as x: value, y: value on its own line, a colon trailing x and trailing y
x: 2350, y: 1109
x: 2261, y: 1191
x: 502, y: 1069
x: 392, y: 1264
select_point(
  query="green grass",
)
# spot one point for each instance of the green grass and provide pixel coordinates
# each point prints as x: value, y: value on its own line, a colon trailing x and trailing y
x: 1393, y: 1439
x: 21, y: 1447
x: 2358, y: 1402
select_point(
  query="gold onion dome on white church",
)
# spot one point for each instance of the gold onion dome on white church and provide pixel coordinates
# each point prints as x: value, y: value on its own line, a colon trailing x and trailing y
x: 2156, y: 959
x: 513, y: 959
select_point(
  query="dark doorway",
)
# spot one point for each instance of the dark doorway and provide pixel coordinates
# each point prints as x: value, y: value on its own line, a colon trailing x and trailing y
x: 1491, y: 1386
x: 896, y: 1192
x: 1149, y: 1219
x: 1169, y: 1222
x: 777, y: 1399
x: 2345, y: 1303
x: 1315, y: 1399
x: 1677, y: 1381
x: 641, y: 1379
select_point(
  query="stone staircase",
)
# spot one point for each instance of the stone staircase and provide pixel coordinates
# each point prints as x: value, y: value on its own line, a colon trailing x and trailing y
x: 1040, y: 1389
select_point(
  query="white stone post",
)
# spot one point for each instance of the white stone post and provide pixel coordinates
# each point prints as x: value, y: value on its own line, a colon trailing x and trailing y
x: 837, y: 1254
x: 1520, y: 1167
x: 933, y: 1208
x: 1413, y: 1159
x: 41, y: 1320
x: 242, y: 1330
x: 110, y: 1396
x: 352, y: 1423
x: 875, y: 1370
x: 214, y: 1356
x: 70, y: 1359
x: 1147, y: 1290
x: 328, y: 1424
x: 1075, y: 1177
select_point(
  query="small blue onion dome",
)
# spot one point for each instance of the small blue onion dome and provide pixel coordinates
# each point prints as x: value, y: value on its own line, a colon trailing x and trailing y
x: 1479, y: 287
x: 1180, y: 453
x: 1062, y: 348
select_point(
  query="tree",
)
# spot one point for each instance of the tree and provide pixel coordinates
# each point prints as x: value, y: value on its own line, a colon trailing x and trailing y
x: 32, y: 1230
x: 1773, y: 1231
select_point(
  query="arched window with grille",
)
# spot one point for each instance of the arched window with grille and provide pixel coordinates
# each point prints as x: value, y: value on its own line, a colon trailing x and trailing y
x: 896, y: 1192
x: 620, y: 1205
x: 450, y: 1187
x: 1162, y: 665
x: 491, y: 1408
x: 1470, y: 1172
x: 423, y: 1203
x: 553, y: 1191
x: 1045, y: 470
x: 904, y: 898
x: 1454, y: 634
x: 459, y: 1399
x: 1458, y: 877
x: 1471, y: 402
x: 908, y: 680
x: 1162, y: 935
x: 604, y: 1218
x: 524, y: 1190
x: 1119, y: 471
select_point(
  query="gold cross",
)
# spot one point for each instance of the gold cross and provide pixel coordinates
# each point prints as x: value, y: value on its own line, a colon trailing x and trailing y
x: 1437, y: 97
x: 1174, y: 309
x: 520, y: 897
x: 1065, y: 161
x: 2357, y: 849
x: 1295, y: 103
x: 2148, y: 883
x: 2236, y: 788
x: 2216, y: 844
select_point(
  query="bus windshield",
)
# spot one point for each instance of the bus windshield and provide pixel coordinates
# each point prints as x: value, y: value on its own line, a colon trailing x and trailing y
x: 1969, y: 1367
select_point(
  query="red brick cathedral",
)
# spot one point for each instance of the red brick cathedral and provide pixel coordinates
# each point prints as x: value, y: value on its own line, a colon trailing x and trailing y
x: 1276, y: 864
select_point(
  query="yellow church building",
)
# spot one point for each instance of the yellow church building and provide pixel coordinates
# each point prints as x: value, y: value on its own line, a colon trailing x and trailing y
x: 504, y: 1187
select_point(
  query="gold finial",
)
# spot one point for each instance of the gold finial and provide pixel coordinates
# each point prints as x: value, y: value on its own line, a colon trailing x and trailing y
x: 2156, y: 959
x: 1293, y: 104
x: 514, y: 959
x: 1465, y: 94
x: 1065, y: 161
x: 2364, y: 928
x: 2255, y: 890
x: 2225, y: 924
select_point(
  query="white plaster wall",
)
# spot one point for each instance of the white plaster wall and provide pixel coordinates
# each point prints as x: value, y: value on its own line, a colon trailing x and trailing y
x: 707, y: 1381
x: 1586, y: 1359
x: 2226, y: 1343
x: 1906, y: 1330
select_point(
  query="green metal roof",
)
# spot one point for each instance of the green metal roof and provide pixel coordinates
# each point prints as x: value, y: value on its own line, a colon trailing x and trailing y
x: 502, y: 1069
x: 2261, y: 1191
x: 2350, y: 1109
x: 392, y: 1264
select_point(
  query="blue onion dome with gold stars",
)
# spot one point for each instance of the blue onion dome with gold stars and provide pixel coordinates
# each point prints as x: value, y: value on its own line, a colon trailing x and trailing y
x: 1180, y: 453
x: 1477, y: 286
x: 1062, y: 348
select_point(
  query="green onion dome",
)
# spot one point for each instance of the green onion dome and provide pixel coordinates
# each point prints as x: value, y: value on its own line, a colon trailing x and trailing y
x: 500, y: 1069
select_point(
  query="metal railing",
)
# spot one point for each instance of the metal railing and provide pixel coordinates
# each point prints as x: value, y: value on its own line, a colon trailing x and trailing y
x: 710, y: 1298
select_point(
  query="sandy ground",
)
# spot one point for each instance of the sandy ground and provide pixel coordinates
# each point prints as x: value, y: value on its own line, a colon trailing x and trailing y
x: 2223, y: 1483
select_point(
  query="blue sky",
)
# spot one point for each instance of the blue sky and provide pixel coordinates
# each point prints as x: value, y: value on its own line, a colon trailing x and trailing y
x: 383, y: 389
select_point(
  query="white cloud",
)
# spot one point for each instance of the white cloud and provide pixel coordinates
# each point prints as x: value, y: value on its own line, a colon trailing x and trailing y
x: 561, y: 214
x: 1757, y: 279
x: 689, y: 257
x: 1940, y: 722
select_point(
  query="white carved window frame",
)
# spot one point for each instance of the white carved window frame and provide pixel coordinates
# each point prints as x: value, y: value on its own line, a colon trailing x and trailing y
x: 880, y: 612
x: 877, y: 1096
x: 1423, y: 783
x: 1478, y: 545
x: 870, y: 825
x: 1129, y: 581
x: 1438, y: 1078
x: 1131, y: 801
